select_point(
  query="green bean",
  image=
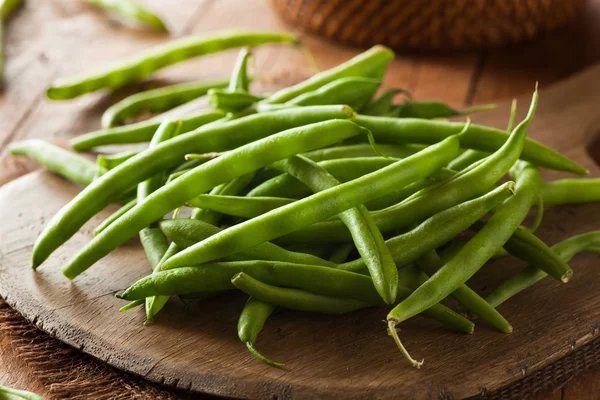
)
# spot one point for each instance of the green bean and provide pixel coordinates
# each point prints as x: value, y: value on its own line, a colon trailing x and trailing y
x: 433, y: 109
x: 411, y: 130
x: 110, y: 161
x: 130, y: 9
x: 251, y: 322
x: 245, y: 207
x: 7, y: 393
x: 315, y: 279
x: 114, y: 216
x: 295, y: 299
x: 317, y: 207
x: 384, y: 103
x: 132, y: 305
x: 139, y: 132
x: 56, y: 159
x: 463, y: 186
x: 341, y: 253
x: 221, y: 137
x: 354, y: 91
x: 476, y: 252
x: 528, y: 276
x: 370, y: 64
x: 234, y: 163
x: 239, y: 76
x: 430, y: 263
x: 232, y: 101
x: 156, y: 100
x: 438, y: 229
x: 363, y: 150
x: 365, y: 235
x: 140, y: 67
x: 571, y: 191
x: 6, y: 8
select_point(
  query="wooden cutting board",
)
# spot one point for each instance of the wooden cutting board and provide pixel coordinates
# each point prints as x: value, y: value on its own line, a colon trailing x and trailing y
x: 195, y: 346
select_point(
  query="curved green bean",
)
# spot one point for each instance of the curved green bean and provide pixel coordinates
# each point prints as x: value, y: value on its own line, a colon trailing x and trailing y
x: 109, y: 161
x: 412, y: 130
x: 221, y: 137
x: 187, y: 232
x: 252, y: 319
x: 245, y: 207
x: 366, y: 237
x: 370, y: 64
x: 571, y: 191
x: 234, y: 163
x: 156, y: 100
x: 139, y: 132
x: 56, y: 159
x: 132, y: 10
x: 239, y: 76
x: 528, y: 276
x: 319, y: 206
x: 354, y: 91
x: 140, y: 67
x: 232, y: 100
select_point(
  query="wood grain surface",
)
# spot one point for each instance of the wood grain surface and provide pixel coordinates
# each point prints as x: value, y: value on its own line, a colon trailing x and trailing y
x: 61, y: 37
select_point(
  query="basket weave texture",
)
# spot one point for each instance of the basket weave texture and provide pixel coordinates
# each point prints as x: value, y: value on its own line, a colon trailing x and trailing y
x: 428, y: 24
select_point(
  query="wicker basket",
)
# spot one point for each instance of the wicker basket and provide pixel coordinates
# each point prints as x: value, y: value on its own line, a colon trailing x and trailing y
x: 428, y: 24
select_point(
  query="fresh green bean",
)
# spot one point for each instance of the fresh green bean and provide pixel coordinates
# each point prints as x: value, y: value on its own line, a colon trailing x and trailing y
x: 476, y: 252
x: 412, y: 130
x: 56, y: 159
x: 363, y: 150
x: 365, y: 235
x: 130, y: 9
x: 140, y: 67
x: 245, y: 207
x: 571, y: 191
x: 139, y: 132
x: 234, y: 163
x: 354, y: 91
x: 384, y: 103
x: 232, y: 101
x: 252, y: 319
x: 239, y: 76
x: 156, y: 100
x: 528, y: 276
x: 439, y: 229
x: 7, y: 393
x: 433, y: 109
x: 221, y: 137
x: 114, y: 216
x: 110, y: 161
x: 371, y: 64
x: 6, y: 8
x: 132, y: 305
x: 430, y: 263
x: 319, y: 206
x: 295, y: 299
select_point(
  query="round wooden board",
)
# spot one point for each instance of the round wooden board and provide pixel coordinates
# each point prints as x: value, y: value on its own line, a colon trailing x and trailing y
x: 195, y: 346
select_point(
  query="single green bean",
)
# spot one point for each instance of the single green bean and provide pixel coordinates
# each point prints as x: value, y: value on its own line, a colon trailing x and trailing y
x: 319, y: 206
x: 139, y: 132
x: 132, y: 305
x: 6, y: 8
x: 413, y: 130
x: 571, y: 191
x: 221, y: 137
x: 130, y: 9
x: 114, y: 216
x: 234, y: 163
x: 365, y: 235
x: 140, y: 67
x: 476, y: 252
x: 239, y: 76
x: 465, y: 185
x: 438, y: 229
x: 232, y: 101
x: 156, y: 100
x: 430, y: 263
x: 252, y: 319
x: 384, y: 103
x: 315, y: 279
x: 245, y: 207
x: 7, y: 393
x: 110, y: 161
x: 56, y: 159
x: 354, y: 91
x: 371, y: 64
x: 528, y: 276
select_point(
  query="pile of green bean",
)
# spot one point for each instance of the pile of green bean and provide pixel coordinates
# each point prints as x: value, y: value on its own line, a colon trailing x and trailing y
x: 319, y: 197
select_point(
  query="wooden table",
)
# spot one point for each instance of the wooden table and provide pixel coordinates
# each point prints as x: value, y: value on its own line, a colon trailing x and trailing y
x: 50, y: 38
